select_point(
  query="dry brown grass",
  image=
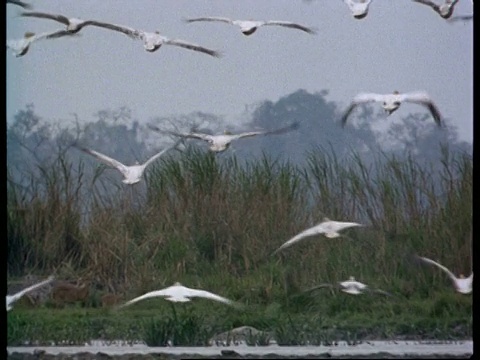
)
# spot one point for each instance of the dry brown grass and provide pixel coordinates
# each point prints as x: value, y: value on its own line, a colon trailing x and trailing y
x: 109, y: 299
x: 65, y: 293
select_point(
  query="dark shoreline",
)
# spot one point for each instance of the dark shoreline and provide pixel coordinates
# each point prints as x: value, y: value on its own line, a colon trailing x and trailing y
x: 163, y: 356
x: 379, y: 349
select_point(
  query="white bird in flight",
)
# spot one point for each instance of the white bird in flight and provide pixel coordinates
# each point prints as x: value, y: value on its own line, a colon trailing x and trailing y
x: 461, y: 284
x: 219, y: 143
x: 327, y: 227
x: 179, y: 293
x: 359, y: 8
x: 21, y: 46
x: 13, y: 298
x: 391, y: 102
x: 131, y: 174
x: 351, y: 286
x: 73, y: 25
x: 248, y: 27
x: 20, y: 3
x: 445, y: 10
x: 152, y: 41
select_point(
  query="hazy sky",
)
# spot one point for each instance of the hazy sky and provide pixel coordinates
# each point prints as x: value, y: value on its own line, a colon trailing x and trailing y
x: 400, y: 45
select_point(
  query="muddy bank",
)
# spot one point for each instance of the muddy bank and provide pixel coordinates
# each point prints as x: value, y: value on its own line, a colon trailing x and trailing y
x: 160, y: 356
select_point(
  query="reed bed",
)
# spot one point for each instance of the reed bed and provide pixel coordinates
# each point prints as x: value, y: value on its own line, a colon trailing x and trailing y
x: 211, y: 222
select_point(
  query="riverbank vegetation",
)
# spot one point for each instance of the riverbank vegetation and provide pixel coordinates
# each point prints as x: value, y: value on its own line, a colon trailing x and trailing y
x: 212, y: 223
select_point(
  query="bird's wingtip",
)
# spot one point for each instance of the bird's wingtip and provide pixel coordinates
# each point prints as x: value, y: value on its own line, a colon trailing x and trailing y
x: 237, y: 305
x: 119, y: 307
x: 417, y: 259
x: 18, y: 14
x: 295, y: 125
x: 153, y: 127
x: 277, y: 251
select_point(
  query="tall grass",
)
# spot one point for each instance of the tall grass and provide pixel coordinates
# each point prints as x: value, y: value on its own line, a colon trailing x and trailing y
x: 214, y: 223
x: 44, y: 220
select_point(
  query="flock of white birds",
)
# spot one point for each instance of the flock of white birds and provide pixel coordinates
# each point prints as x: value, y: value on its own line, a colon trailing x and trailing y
x: 217, y: 143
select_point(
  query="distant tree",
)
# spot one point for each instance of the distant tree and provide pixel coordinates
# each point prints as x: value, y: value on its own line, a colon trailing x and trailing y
x: 319, y: 125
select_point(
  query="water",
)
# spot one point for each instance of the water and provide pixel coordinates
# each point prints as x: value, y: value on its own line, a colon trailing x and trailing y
x: 393, y: 348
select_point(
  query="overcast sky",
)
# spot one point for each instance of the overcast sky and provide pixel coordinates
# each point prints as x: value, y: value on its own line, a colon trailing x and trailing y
x: 400, y: 45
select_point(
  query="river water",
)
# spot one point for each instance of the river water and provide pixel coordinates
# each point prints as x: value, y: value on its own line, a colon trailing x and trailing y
x: 383, y: 349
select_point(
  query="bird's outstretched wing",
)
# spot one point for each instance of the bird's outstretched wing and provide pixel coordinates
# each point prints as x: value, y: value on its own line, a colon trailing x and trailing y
x: 321, y: 286
x: 339, y: 225
x: 379, y: 291
x: 57, y: 17
x: 431, y: 262
x: 452, y: 2
x: 195, y: 47
x: 191, y: 135
x: 282, y: 130
x: 104, y: 159
x: 309, y: 232
x: 134, y: 34
x: 211, y: 296
x: 292, y: 25
x: 157, y: 293
x: 428, y: 3
x: 18, y: 295
x: 210, y: 18
x: 55, y: 34
x: 424, y: 99
x: 460, y: 18
x: 361, y: 98
x: 157, y: 155
x: 20, y: 3
x: 347, y: 113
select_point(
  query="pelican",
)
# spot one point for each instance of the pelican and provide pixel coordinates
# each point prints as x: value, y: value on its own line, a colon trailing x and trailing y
x: 352, y: 286
x: 13, y: 298
x: 327, y: 227
x: 219, y: 143
x: 152, y: 41
x: 391, y: 102
x: 179, y: 293
x: 20, y: 3
x: 445, y: 10
x: 131, y: 174
x: 461, y: 284
x: 74, y: 25
x: 21, y: 46
x: 248, y: 27
x: 359, y: 8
